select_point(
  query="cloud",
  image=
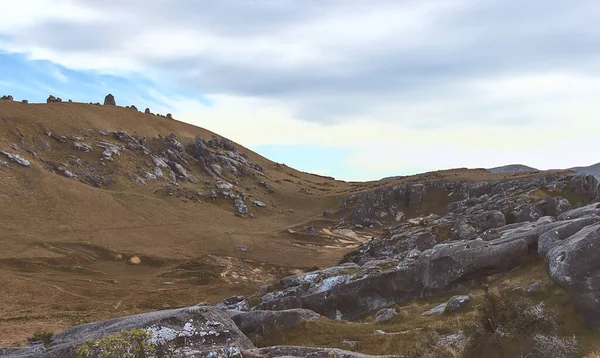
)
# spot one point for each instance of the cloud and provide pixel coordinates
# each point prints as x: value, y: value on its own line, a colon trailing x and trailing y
x: 456, y: 82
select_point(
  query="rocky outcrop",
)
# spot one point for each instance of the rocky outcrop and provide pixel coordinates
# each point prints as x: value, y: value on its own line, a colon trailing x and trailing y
x: 574, y: 264
x: 385, y: 203
x: 557, y: 205
x: 464, y: 231
x: 7, y: 98
x: 398, y: 203
x: 563, y: 230
x: 226, y: 144
x: 349, y: 291
x: 15, y: 158
x: 109, y: 100
x: 586, y: 185
x: 437, y: 253
x: 588, y: 210
x: 240, y: 208
x: 490, y: 220
x: 52, y: 99
x: 83, y: 147
x: 237, y: 303
x: 265, y: 322
x: 208, y: 332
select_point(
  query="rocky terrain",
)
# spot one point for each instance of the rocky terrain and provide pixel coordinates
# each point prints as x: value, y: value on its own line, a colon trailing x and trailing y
x: 137, y: 224
x: 593, y: 170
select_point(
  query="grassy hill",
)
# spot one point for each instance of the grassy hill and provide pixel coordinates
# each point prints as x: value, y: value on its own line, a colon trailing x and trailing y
x: 75, y: 252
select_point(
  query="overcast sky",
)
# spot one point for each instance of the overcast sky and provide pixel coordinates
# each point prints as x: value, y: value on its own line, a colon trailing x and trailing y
x: 354, y: 89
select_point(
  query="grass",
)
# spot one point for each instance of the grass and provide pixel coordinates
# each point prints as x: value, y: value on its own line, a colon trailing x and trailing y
x: 568, y: 194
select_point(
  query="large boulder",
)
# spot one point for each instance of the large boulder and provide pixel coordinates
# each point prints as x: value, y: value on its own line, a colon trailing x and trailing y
x: 458, y: 262
x: 16, y: 158
x: 284, y: 303
x: 490, y: 219
x: 574, y: 264
x: 52, y: 99
x: 264, y: 322
x: 526, y: 212
x: 557, y: 205
x: 464, y: 231
x: 349, y: 294
x: 238, y: 303
x: 566, y: 229
x: 586, y: 185
x: 109, y: 100
x: 415, y: 196
x: 202, y: 150
x: 591, y: 209
x: 226, y: 144
x: 208, y: 332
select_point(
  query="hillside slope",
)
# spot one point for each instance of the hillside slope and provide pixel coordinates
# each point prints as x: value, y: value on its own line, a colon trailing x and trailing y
x: 118, y: 212
x: 68, y: 241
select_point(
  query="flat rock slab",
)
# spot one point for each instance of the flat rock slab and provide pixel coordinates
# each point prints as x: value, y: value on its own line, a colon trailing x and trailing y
x: 208, y: 332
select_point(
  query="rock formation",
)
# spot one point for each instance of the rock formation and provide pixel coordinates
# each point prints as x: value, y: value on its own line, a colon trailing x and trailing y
x: 109, y: 100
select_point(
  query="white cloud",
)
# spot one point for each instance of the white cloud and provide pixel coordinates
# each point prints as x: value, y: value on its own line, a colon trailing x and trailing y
x: 407, y: 84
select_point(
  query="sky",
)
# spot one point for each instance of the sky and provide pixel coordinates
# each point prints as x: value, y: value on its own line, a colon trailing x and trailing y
x: 353, y: 89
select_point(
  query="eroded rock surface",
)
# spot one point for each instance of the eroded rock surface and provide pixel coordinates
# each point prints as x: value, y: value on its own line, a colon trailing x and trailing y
x: 437, y: 253
x: 574, y: 264
x: 207, y: 331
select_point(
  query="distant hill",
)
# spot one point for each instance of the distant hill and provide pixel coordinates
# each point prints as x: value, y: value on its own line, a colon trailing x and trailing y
x: 513, y: 168
x: 593, y: 169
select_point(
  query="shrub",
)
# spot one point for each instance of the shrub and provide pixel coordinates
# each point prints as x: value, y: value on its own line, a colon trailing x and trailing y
x: 42, y: 336
x: 515, y: 326
x: 132, y: 343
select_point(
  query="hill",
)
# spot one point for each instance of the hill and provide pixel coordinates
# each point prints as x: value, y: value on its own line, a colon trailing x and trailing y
x: 513, y: 168
x: 593, y: 170
x: 106, y: 211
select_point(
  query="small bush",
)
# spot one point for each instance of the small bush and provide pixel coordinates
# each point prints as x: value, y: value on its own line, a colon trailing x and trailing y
x: 42, y: 336
x: 515, y: 326
x: 132, y: 343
